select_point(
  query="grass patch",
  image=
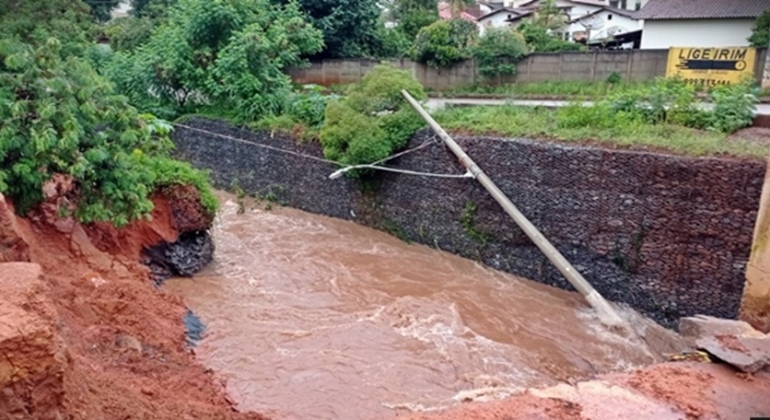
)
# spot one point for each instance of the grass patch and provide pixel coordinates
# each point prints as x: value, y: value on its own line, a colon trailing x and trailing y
x: 169, y: 172
x: 551, y: 88
x: 600, y: 125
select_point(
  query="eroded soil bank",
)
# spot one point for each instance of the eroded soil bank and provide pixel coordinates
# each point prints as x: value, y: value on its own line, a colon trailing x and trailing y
x: 84, y: 334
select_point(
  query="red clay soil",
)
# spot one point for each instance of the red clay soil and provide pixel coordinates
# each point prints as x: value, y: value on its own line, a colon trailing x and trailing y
x: 85, y: 335
x: 683, y: 388
x: 689, y: 390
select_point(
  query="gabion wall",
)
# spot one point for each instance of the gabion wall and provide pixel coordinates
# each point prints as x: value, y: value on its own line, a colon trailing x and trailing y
x: 668, y: 235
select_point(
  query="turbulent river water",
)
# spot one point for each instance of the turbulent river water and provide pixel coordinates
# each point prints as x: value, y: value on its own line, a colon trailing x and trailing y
x: 310, y: 317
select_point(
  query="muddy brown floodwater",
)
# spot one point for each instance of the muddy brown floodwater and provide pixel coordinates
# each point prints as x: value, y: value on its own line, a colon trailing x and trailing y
x: 310, y: 317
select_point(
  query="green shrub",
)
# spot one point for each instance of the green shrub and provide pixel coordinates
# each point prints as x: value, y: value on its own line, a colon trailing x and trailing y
x: 400, y: 126
x: 380, y: 90
x: 444, y: 43
x: 60, y: 117
x: 229, y: 54
x: 498, y: 51
x: 374, y: 120
x: 734, y: 106
x: 309, y: 105
x: 540, y: 40
x: 351, y: 137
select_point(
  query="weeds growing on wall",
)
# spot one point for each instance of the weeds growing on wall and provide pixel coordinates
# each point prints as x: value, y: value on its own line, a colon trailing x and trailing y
x: 373, y: 120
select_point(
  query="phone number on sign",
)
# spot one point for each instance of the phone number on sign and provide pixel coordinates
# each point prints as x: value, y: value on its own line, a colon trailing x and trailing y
x: 706, y: 82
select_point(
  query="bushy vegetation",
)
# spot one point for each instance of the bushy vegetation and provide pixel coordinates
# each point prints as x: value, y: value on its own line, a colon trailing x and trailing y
x: 57, y: 116
x: 230, y: 55
x: 662, y: 115
x: 445, y: 42
x: 671, y: 101
x: 373, y: 120
x: 580, y: 89
x: 497, y: 52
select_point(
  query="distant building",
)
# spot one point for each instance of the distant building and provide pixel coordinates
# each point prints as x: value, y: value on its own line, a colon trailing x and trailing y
x: 699, y: 23
x: 585, y: 20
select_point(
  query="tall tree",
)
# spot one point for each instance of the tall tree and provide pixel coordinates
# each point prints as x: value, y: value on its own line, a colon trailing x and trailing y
x: 413, y: 15
x: 232, y: 54
x: 550, y: 16
x: 349, y: 26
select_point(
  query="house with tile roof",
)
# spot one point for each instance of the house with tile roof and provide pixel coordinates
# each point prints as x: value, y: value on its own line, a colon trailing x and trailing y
x: 585, y: 20
x: 699, y: 23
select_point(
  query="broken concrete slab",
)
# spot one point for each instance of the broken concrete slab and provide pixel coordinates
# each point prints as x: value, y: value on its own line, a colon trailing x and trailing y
x: 708, y: 326
x: 747, y: 353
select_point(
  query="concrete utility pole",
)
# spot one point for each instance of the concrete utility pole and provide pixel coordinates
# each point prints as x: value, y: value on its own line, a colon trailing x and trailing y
x: 605, y: 311
x: 766, y: 70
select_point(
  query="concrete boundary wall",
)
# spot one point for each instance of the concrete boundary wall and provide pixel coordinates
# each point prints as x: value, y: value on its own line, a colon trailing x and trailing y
x: 668, y: 235
x: 596, y: 66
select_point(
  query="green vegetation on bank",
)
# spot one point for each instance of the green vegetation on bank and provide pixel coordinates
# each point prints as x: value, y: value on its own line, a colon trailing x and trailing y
x: 374, y: 120
x: 663, y: 116
x: 58, y: 116
x: 577, y: 89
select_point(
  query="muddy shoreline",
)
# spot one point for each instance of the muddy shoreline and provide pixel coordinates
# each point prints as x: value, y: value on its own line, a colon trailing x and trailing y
x: 85, y: 334
x: 83, y: 331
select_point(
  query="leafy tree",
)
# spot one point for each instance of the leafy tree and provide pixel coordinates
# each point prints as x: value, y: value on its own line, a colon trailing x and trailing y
x: 498, y: 50
x: 349, y: 26
x: 34, y: 21
x: 374, y: 120
x: 413, y: 15
x: 392, y: 43
x: 57, y: 116
x: 760, y: 33
x: 102, y: 9
x: 228, y: 55
x: 128, y: 33
x: 539, y: 40
x: 445, y: 43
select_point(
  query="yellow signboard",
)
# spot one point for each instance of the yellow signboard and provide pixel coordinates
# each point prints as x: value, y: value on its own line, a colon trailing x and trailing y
x: 711, y: 66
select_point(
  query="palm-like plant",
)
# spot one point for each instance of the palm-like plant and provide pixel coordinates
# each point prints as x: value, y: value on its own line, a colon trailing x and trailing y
x: 550, y: 16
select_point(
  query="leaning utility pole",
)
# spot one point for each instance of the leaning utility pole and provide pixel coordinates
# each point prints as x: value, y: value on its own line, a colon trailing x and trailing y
x: 605, y: 311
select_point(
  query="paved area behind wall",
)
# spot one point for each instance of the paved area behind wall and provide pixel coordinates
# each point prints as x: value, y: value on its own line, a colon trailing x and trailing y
x: 437, y: 103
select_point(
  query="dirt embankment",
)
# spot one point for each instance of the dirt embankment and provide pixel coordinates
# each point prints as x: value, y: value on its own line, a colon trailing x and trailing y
x: 83, y: 332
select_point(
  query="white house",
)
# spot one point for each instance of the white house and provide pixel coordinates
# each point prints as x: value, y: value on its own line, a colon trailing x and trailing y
x: 586, y: 20
x: 603, y: 24
x: 504, y: 17
x: 699, y: 23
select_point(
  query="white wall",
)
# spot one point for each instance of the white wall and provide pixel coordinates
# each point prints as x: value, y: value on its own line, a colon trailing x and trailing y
x: 498, y: 20
x: 601, y: 25
x: 696, y: 33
